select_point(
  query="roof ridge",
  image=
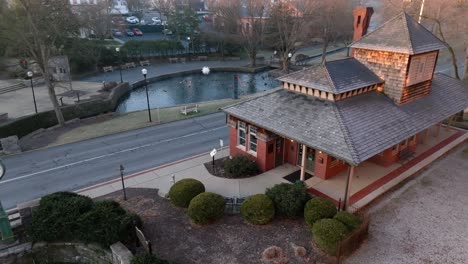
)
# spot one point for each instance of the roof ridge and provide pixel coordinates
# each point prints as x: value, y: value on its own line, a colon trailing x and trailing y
x: 375, y: 30
x: 330, y: 80
x: 346, y: 135
x: 408, y: 35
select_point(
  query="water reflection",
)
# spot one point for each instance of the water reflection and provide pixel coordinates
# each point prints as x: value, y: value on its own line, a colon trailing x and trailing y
x: 196, y: 88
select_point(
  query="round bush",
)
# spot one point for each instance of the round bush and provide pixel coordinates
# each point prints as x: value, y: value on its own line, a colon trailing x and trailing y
x: 349, y: 220
x: 206, y: 207
x: 240, y: 166
x: 318, y: 208
x: 328, y: 234
x: 289, y: 199
x: 258, y: 209
x: 148, y: 259
x: 183, y: 191
x: 56, y: 217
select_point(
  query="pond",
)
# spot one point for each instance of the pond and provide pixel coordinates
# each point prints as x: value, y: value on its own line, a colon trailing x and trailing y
x: 195, y: 88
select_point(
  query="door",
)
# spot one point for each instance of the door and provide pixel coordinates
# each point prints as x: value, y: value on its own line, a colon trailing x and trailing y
x: 310, y: 159
x: 279, y: 153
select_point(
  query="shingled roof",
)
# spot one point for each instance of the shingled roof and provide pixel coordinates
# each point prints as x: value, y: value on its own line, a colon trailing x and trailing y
x: 337, y: 76
x: 402, y: 34
x: 356, y: 128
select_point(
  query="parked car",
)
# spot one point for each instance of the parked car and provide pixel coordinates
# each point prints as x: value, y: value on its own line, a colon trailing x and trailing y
x: 137, y: 32
x: 130, y: 33
x: 116, y: 33
x: 157, y: 20
x: 132, y: 20
x: 167, y: 32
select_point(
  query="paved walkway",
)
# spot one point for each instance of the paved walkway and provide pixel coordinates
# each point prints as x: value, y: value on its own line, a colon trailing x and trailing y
x: 161, y: 178
x: 134, y: 74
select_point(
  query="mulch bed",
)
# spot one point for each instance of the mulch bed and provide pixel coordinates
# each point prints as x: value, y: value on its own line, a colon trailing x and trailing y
x: 218, y: 169
x: 229, y: 240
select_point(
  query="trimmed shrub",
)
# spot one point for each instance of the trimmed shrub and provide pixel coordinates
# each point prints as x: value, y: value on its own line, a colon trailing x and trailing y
x: 148, y: 259
x: 72, y: 217
x: 206, y: 208
x: 318, y: 208
x: 289, y: 199
x: 56, y: 217
x: 183, y: 191
x: 258, y: 209
x: 349, y: 220
x: 328, y: 233
x: 240, y: 166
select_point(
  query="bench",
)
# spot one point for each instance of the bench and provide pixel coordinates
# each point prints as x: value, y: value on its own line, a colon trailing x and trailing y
x: 129, y: 65
x: 189, y: 108
x: 405, y: 155
x: 145, y: 63
x: 108, y: 69
x: 183, y: 60
x: 173, y: 60
x: 202, y: 58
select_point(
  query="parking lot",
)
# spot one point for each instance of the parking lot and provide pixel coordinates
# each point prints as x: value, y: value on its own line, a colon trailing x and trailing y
x: 425, y: 221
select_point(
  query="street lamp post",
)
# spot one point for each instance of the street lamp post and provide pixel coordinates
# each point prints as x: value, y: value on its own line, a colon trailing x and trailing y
x: 30, y: 76
x: 188, y: 39
x: 120, y: 63
x: 289, y: 60
x: 144, y: 72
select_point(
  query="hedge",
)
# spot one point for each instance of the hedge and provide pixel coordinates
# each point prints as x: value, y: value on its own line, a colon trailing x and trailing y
x: 289, y: 199
x: 349, y: 220
x: 318, y: 208
x: 328, y: 233
x: 149, y: 259
x: 258, y: 209
x: 206, y: 208
x: 240, y: 166
x: 71, y: 217
x: 183, y: 191
x: 28, y: 124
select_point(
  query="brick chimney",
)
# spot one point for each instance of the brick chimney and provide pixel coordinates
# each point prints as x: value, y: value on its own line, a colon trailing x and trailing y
x: 362, y: 16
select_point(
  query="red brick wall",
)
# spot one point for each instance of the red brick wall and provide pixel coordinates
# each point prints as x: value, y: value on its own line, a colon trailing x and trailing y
x: 324, y: 168
x: 390, y: 156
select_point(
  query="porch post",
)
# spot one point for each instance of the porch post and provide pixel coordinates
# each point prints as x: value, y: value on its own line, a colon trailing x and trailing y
x: 303, y: 161
x: 438, y: 130
x: 348, y: 187
x: 449, y: 123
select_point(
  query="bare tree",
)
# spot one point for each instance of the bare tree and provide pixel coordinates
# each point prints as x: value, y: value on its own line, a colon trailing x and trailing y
x: 465, y: 74
x: 226, y: 18
x: 96, y: 18
x: 40, y: 28
x: 286, y: 30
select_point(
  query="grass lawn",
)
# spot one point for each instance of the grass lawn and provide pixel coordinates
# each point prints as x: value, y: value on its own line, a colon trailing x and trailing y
x: 136, y: 120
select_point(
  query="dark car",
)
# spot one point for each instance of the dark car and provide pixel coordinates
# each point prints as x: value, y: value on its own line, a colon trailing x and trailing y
x: 137, y: 32
x: 130, y: 33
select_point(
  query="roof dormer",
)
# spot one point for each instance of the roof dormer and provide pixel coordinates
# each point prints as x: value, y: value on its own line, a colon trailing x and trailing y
x: 403, y: 53
x: 334, y: 80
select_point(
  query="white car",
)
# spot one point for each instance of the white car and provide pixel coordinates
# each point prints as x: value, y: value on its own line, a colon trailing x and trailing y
x: 132, y: 20
x: 156, y: 20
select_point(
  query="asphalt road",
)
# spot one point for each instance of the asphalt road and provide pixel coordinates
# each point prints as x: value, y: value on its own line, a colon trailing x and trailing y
x: 77, y: 165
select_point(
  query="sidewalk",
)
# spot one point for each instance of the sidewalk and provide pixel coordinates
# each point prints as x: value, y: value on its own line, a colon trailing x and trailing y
x: 161, y: 178
x: 134, y: 74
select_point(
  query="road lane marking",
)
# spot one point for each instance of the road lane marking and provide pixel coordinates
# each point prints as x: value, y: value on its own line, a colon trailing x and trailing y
x: 109, y: 155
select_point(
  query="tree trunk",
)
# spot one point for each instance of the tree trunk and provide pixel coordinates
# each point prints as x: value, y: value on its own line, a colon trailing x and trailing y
x: 465, y: 72
x: 286, y: 64
x: 454, y: 61
x: 324, y: 50
x: 53, y: 99
x: 253, y: 58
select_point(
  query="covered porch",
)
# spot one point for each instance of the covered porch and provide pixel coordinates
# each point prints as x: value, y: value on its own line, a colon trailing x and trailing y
x: 369, y: 179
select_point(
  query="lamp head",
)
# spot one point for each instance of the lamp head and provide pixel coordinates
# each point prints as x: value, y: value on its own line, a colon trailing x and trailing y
x: 117, y: 49
x: 188, y: 38
x: 289, y: 55
x: 144, y: 72
x: 30, y: 74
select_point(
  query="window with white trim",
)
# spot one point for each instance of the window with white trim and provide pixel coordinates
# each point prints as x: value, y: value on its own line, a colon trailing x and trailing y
x: 253, y: 139
x: 241, y: 134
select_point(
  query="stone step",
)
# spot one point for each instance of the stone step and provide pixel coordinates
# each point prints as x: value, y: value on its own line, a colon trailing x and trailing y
x: 12, y: 88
